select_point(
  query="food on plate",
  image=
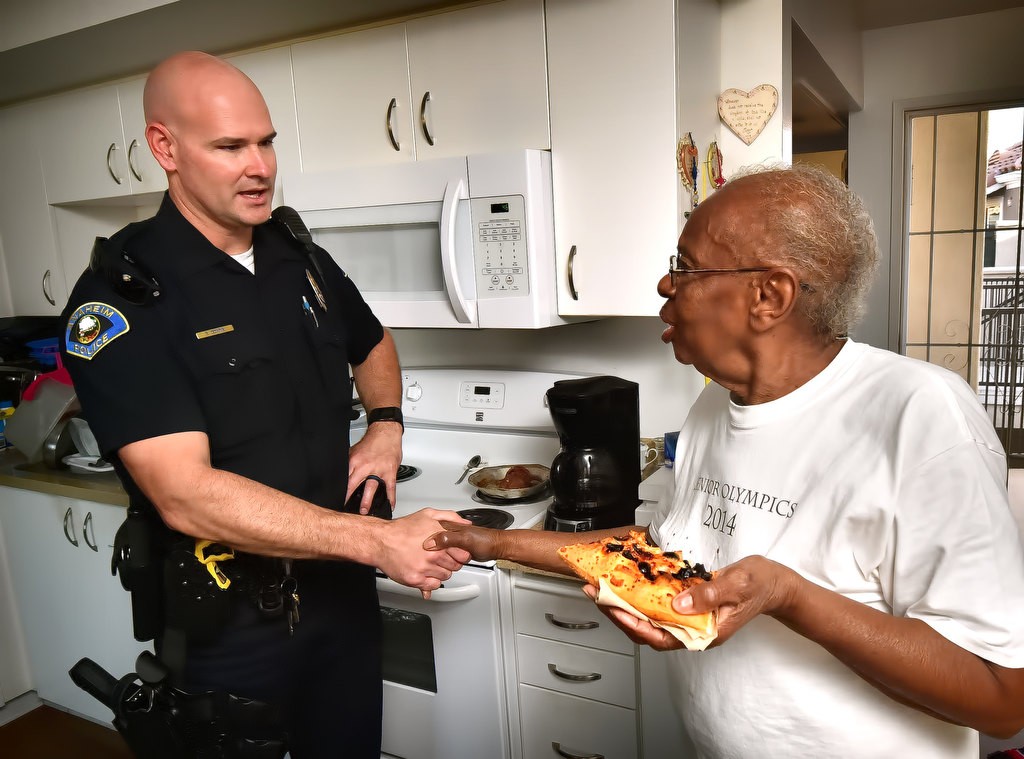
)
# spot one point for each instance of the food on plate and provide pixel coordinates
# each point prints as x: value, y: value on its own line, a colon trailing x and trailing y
x: 517, y: 477
x: 635, y: 575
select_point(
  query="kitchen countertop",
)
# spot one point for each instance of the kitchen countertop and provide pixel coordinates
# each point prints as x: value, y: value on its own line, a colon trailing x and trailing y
x: 101, y: 487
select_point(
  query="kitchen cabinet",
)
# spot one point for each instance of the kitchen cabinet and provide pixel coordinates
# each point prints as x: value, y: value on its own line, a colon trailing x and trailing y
x: 31, y: 258
x: 93, y: 145
x: 69, y: 604
x: 577, y: 685
x: 271, y: 71
x: 576, y: 674
x: 466, y: 81
x: 612, y: 80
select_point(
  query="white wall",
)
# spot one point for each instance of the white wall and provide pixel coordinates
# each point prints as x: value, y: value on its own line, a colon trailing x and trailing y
x: 833, y: 29
x: 961, y: 57
x: 754, y: 50
x: 627, y: 347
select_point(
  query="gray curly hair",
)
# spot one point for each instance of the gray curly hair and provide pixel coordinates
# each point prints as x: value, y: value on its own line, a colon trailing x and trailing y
x: 817, y: 226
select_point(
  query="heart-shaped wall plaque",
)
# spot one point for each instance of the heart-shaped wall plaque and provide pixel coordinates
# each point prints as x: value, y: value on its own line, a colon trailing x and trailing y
x: 747, y: 113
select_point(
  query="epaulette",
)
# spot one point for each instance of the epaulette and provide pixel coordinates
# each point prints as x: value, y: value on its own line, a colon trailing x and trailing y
x: 128, y: 278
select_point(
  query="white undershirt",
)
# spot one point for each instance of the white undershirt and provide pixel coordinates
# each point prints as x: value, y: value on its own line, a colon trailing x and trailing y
x: 246, y: 259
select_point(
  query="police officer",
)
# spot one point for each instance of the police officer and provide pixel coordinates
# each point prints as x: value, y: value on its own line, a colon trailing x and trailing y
x: 211, y: 351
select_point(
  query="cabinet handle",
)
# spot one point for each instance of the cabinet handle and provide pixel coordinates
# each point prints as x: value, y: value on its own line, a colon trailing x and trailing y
x: 572, y: 282
x: 590, y: 625
x: 131, y: 161
x: 571, y: 755
x: 423, y: 118
x: 389, y: 122
x: 110, y: 152
x: 592, y: 677
x: 70, y: 534
x: 46, y: 288
x: 86, y: 526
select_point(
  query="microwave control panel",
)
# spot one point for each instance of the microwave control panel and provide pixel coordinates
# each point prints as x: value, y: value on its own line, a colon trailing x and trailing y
x: 499, y: 246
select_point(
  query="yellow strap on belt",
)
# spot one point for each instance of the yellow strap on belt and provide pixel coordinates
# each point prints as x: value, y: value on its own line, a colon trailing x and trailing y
x: 209, y: 553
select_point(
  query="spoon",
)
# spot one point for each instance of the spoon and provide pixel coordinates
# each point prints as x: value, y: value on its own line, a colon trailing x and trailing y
x: 471, y: 464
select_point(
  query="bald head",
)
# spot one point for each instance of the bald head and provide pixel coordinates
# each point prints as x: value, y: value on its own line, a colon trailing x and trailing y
x: 187, y: 82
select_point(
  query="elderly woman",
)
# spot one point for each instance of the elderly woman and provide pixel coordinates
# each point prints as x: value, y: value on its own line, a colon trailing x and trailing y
x: 870, y: 592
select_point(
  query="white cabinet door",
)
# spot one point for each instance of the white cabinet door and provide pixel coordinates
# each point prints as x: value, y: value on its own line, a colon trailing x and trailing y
x: 271, y: 71
x: 82, y: 146
x: 484, y: 69
x: 352, y: 99
x: 612, y: 79
x: 144, y: 173
x: 471, y: 80
x: 70, y: 605
x: 35, y: 278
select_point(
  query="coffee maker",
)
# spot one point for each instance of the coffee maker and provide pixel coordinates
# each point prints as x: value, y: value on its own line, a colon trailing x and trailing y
x: 595, y: 477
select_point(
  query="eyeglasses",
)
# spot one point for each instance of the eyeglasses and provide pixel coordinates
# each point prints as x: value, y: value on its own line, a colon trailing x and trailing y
x: 675, y: 268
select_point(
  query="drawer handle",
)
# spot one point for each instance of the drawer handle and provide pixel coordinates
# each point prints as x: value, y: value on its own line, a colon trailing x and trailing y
x: 572, y: 755
x: 592, y: 677
x: 571, y: 625
x: 70, y: 534
x: 86, y: 526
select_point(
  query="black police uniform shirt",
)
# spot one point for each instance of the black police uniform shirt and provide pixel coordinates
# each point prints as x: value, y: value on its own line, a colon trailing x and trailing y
x: 260, y: 363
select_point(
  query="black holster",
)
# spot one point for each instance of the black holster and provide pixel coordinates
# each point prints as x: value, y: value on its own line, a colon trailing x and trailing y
x: 140, y: 548
x: 162, y: 722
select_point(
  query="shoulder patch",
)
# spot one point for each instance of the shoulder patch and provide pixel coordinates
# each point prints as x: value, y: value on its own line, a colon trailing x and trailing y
x: 92, y: 327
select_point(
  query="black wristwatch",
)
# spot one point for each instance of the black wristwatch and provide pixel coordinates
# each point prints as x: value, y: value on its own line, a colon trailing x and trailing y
x: 385, y: 414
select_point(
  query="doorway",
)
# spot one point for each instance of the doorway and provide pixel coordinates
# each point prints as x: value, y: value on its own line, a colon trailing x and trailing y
x: 964, y: 293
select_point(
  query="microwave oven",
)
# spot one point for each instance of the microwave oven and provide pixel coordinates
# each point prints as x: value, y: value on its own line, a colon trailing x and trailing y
x: 461, y: 242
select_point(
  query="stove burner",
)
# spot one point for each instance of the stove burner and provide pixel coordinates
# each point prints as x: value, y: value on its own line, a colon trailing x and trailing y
x: 496, y: 519
x: 542, y: 495
x: 406, y: 472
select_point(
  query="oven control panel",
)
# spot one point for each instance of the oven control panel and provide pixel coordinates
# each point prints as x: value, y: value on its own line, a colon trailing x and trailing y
x: 482, y: 395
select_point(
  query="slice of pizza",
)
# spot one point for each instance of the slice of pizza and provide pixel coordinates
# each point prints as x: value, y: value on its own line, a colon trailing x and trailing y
x: 642, y: 579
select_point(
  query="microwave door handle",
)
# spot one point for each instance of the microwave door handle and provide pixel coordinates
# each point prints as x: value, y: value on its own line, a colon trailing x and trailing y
x: 453, y: 192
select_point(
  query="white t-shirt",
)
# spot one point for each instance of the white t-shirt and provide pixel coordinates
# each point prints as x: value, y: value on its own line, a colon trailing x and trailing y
x: 246, y: 259
x: 881, y: 479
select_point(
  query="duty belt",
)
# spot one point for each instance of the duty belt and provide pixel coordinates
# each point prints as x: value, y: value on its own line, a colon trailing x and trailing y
x: 202, y: 576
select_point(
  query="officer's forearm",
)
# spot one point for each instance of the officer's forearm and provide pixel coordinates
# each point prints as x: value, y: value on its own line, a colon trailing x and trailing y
x: 378, y: 379
x: 196, y: 499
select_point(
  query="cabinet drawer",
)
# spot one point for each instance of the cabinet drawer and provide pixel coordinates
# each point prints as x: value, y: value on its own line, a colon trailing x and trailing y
x: 568, y: 616
x: 559, y: 726
x: 585, y: 672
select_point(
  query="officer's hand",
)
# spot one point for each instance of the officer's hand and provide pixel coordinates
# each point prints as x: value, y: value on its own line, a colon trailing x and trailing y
x: 405, y: 560
x: 379, y: 452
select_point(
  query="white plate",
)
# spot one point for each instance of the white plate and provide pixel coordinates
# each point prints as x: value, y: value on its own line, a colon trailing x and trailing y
x: 81, y: 464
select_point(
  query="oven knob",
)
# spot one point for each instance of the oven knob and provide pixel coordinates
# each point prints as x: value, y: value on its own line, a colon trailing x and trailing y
x: 414, y: 392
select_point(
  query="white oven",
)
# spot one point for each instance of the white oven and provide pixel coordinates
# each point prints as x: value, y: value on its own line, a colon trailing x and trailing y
x: 451, y: 242
x: 444, y: 689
